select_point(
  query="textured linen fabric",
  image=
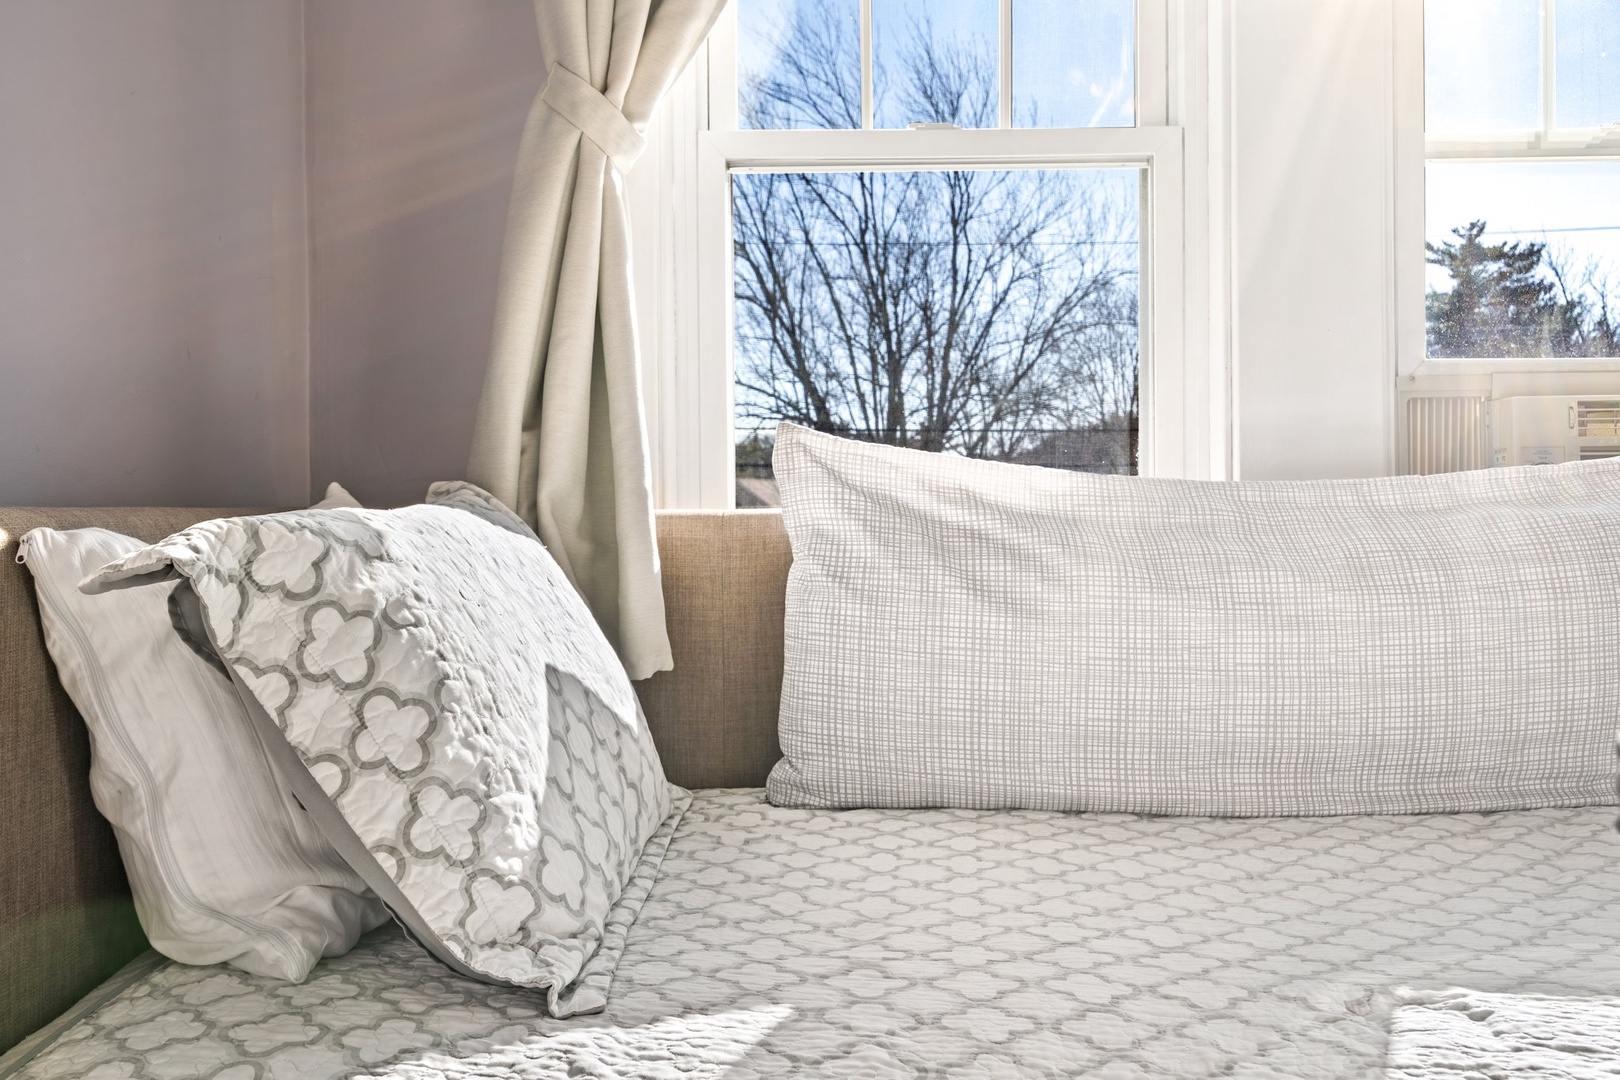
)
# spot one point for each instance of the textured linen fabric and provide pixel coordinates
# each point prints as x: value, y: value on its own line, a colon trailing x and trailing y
x: 725, y: 581
x: 969, y: 633
x: 224, y: 865
x: 561, y: 435
x: 951, y: 943
x: 446, y: 688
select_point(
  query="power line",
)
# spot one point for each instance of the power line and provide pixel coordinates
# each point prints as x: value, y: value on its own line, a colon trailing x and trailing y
x: 865, y: 244
x: 1569, y: 229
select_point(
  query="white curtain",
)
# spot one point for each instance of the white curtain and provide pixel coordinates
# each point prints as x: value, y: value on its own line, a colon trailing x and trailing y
x: 561, y: 436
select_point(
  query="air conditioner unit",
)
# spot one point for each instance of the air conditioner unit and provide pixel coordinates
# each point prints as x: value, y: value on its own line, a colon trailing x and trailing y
x: 1549, y: 430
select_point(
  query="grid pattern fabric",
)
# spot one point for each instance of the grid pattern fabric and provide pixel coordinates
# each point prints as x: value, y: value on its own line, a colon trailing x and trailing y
x: 971, y: 634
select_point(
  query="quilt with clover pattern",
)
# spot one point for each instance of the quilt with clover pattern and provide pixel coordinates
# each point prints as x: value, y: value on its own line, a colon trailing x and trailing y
x: 947, y: 943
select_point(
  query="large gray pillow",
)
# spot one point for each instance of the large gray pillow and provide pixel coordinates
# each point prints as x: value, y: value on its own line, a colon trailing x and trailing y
x: 973, y: 634
x: 437, y: 695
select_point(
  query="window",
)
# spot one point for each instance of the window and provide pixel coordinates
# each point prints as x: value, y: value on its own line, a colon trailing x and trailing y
x: 986, y: 312
x: 1522, y: 203
x: 1510, y: 286
x: 954, y: 226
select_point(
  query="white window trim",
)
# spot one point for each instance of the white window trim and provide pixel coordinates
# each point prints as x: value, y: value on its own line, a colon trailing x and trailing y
x: 680, y: 202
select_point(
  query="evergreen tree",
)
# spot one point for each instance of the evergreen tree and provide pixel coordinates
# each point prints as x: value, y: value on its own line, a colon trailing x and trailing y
x: 1500, y: 303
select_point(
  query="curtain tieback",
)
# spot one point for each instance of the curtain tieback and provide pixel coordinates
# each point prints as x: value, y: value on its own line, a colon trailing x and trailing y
x: 597, y: 118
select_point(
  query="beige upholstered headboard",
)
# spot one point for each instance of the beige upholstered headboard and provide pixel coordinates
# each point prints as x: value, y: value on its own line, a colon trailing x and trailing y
x: 725, y: 584
x: 66, y: 921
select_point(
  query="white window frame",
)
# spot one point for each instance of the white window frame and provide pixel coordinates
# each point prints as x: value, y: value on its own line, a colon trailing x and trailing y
x: 684, y: 272
x: 1416, y: 372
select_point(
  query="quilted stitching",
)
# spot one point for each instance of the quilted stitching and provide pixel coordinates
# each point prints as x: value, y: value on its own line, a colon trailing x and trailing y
x: 946, y: 943
x: 505, y: 780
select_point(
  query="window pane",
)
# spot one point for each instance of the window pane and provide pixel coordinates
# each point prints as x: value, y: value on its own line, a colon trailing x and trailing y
x: 798, y: 64
x: 1482, y: 65
x: 935, y: 63
x: 1588, y: 39
x: 991, y: 313
x: 1074, y: 65
x: 1524, y: 259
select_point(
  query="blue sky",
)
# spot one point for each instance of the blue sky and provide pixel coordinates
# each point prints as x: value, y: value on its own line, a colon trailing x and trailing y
x: 1073, y: 64
x: 1574, y: 207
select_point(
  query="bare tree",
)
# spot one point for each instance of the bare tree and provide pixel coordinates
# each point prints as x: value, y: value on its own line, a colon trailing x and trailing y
x: 1589, y: 296
x: 814, y: 79
x: 966, y: 310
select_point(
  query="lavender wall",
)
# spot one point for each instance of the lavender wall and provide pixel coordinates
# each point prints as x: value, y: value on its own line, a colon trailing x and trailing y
x: 416, y: 110
x: 182, y: 320
x: 152, y: 266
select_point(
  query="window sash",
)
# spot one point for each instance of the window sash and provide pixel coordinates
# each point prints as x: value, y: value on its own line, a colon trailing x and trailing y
x: 1152, y: 68
x: 684, y: 269
x: 1548, y: 141
x: 1172, y: 443
x: 823, y: 151
x: 1529, y: 146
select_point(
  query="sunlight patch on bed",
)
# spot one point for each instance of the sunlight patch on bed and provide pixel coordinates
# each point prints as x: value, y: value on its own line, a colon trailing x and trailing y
x: 1435, y: 1035
x: 695, y: 1046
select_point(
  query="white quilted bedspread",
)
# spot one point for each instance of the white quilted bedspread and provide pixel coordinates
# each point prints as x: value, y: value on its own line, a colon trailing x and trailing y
x: 945, y: 943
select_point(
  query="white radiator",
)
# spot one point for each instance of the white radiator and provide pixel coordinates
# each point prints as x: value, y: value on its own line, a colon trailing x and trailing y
x: 1446, y: 434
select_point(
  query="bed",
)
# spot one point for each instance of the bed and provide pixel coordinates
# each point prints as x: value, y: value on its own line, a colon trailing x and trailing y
x: 777, y: 942
x: 877, y: 943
